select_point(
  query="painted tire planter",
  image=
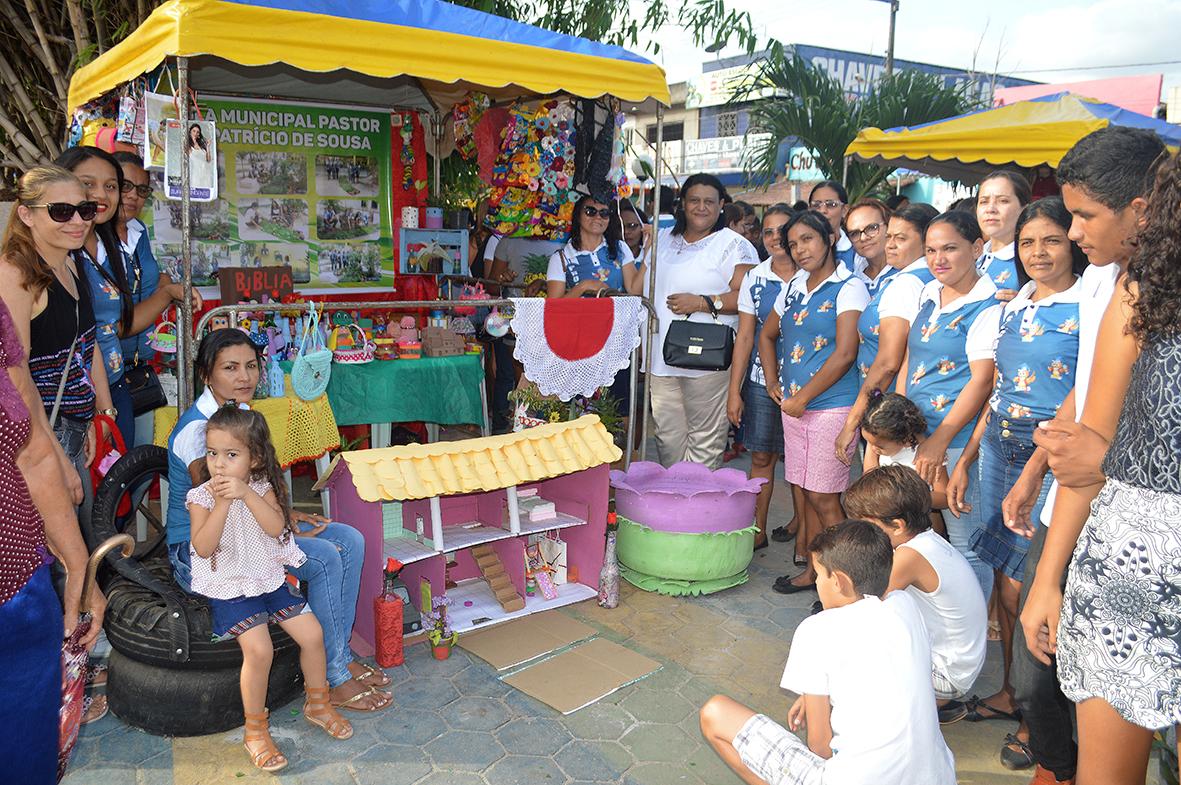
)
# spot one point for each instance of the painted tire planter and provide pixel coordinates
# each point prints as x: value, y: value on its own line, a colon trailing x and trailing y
x: 686, y: 529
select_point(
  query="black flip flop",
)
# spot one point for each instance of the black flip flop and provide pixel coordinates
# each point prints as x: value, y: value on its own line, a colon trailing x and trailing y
x: 975, y: 703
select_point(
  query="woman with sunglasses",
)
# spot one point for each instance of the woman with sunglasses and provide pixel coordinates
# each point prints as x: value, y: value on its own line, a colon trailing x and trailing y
x: 595, y: 257
x: 49, y: 299
x: 830, y: 199
x: 893, y: 300
x: 699, y: 270
x: 633, y: 227
x: 152, y: 291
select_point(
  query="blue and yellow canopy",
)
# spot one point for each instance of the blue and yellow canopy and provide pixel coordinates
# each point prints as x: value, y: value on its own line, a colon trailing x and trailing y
x: 1026, y: 133
x: 423, y: 54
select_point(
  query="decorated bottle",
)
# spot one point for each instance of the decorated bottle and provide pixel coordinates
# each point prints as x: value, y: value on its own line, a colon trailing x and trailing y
x: 609, y: 575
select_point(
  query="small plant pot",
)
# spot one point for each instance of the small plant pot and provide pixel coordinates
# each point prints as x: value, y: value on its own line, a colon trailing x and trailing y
x: 441, y: 651
x: 434, y: 218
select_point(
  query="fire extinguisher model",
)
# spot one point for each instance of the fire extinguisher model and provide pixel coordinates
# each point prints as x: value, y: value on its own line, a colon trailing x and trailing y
x: 387, y: 616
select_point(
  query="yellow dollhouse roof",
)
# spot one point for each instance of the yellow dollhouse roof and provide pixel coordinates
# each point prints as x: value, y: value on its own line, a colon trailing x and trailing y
x: 420, y: 471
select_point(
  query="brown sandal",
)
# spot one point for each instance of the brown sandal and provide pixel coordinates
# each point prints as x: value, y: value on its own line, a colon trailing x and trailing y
x: 318, y: 711
x: 269, y: 758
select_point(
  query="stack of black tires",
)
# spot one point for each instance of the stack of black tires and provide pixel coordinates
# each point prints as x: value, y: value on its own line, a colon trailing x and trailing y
x: 167, y: 675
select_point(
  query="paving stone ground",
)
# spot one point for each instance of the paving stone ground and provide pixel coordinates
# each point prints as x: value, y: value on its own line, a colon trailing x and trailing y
x: 456, y: 723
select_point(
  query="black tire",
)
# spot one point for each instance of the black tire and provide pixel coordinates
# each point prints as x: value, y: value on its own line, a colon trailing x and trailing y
x: 132, y: 474
x: 142, y: 625
x: 167, y: 702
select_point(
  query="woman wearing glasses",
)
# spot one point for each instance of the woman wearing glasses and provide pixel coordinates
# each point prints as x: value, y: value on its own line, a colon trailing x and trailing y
x: 885, y: 322
x: 699, y: 270
x: 152, y: 291
x: 595, y: 257
x: 49, y: 299
x: 830, y: 199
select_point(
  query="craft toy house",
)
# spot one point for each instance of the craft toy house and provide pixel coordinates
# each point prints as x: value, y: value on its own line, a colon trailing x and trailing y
x: 431, y: 505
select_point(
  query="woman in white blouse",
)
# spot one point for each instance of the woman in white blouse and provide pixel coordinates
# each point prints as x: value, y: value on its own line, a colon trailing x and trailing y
x: 699, y: 268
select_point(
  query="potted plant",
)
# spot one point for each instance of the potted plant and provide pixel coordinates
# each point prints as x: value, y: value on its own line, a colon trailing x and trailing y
x: 438, y: 628
x: 434, y: 211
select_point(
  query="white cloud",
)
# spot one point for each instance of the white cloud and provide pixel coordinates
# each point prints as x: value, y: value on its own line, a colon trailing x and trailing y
x: 1050, y: 34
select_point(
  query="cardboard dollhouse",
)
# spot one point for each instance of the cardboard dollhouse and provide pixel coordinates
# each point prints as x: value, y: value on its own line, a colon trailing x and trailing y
x: 430, y: 505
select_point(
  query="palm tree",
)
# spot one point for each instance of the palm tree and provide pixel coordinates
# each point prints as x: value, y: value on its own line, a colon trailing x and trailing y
x: 809, y: 105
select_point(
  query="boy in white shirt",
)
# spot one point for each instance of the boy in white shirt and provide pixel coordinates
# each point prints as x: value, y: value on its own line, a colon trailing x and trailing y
x: 931, y: 571
x: 862, y: 668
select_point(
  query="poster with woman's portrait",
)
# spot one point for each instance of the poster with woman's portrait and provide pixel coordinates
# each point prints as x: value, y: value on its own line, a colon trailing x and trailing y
x: 158, y: 109
x: 197, y: 141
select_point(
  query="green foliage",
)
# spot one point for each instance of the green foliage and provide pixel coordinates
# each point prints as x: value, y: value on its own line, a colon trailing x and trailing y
x: 616, y: 21
x: 812, y: 107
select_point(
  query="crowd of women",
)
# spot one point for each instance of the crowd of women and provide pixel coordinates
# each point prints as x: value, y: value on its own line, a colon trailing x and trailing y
x: 986, y: 322
x: 960, y: 344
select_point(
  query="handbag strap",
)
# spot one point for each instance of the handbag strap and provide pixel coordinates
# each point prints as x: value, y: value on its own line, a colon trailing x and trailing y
x: 61, y: 385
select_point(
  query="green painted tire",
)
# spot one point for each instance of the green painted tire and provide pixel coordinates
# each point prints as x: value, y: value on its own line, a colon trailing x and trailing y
x: 677, y: 563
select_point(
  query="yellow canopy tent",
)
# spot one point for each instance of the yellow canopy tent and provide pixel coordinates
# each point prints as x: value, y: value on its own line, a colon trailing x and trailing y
x: 1025, y: 133
x: 410, y: 54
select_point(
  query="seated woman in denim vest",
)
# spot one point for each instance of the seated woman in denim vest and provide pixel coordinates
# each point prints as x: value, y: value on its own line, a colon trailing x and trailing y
x: 228, y: 364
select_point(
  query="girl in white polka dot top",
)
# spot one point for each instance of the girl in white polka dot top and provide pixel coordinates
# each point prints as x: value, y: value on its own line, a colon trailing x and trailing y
x: 241, y: 540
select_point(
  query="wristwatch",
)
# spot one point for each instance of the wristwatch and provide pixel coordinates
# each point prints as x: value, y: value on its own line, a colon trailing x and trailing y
x: 112, y: 412
x: 717, y: 304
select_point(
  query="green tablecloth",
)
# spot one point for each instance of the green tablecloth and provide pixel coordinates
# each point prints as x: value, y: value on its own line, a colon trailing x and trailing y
x: 444, y: 390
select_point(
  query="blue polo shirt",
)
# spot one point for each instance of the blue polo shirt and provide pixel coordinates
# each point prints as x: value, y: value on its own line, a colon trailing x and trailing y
x: 943, y: 342
x: 104, y: 294
x: 760, y: 289
x: 143, y: 275
x: 808, y: 326
x: 1036, y: 353
x: 999, y: 265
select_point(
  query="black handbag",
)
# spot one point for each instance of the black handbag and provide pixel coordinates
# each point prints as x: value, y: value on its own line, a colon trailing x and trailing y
x: 147, y: 394
x: 702, y: 346
x: 140, y: 379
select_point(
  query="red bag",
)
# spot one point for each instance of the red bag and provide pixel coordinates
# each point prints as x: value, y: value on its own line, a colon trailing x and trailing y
x: 106, y: 452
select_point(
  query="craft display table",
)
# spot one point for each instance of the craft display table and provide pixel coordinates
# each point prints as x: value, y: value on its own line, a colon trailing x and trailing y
x: 435, y: 390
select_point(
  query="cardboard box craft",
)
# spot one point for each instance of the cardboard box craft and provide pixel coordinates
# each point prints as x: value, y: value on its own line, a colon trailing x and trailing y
x: 441, y: 342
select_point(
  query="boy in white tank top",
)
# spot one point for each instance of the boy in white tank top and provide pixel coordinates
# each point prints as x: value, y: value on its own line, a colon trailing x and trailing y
x: 932, y: 572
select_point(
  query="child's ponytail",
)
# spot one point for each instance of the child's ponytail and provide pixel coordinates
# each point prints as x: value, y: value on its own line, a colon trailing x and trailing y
x: 894, y: 417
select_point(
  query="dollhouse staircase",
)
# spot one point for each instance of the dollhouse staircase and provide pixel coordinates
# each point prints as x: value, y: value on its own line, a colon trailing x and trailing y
x: 498, y: 580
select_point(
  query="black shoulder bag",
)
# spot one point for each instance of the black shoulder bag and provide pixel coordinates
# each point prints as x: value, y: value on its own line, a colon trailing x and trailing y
x: 701, y: 346
x: 147, y: 394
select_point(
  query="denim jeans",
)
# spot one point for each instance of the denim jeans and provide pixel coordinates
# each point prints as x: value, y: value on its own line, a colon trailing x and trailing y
x: 1047, y: 712
x: 71, y: 435
x: 333, y: 575
x: 1005, y: 449
x: 961, y: 530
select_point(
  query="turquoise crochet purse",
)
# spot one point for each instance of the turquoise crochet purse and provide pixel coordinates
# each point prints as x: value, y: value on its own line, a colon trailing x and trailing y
x: 313, y: 364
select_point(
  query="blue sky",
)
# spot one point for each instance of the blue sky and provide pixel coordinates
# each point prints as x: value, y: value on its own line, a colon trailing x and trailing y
x: 1019, y: 35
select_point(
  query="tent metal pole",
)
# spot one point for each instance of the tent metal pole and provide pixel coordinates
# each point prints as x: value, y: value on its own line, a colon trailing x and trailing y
x: 437, y: 133
x: 184, y: 327
x: 651, y: 287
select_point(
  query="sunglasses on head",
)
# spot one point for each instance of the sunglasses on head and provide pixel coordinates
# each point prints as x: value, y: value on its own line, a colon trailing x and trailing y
x: 591, y: 212
x: 144, y: 191
x: 62, y: 212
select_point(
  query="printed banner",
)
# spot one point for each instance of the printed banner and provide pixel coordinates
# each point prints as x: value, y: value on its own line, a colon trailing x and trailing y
x: 301, y: 185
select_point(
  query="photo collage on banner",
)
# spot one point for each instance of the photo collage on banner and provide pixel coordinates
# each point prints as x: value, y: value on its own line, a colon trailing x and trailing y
x: 303, y: 185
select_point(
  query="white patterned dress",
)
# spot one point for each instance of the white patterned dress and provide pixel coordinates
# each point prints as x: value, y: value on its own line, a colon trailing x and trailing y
x: 1120, y: 632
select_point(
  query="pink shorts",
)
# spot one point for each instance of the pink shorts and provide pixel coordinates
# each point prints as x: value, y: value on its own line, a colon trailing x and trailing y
x: 809, y: 451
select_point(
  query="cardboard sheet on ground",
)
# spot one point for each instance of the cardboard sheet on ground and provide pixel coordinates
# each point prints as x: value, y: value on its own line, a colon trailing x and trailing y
x: 524, y: 639
x: 583, y: 675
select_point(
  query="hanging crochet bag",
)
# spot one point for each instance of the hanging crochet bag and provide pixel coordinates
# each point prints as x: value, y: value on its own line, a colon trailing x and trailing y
x: 313, y: 364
